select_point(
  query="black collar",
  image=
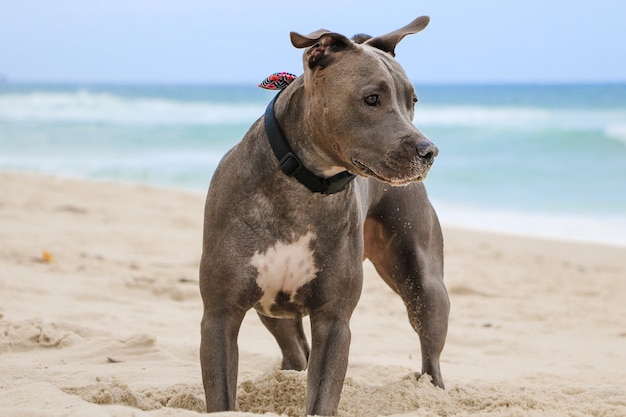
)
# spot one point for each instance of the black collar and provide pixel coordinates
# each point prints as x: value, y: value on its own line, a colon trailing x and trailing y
x: 291, y: 165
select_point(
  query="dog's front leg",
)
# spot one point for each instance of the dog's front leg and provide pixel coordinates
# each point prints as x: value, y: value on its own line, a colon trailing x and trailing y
x: 219, y: 357
x: 328, y: 362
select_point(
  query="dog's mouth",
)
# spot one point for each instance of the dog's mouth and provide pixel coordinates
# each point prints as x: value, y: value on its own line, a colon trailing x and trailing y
x: 413, y: 174
x: 364, y: 168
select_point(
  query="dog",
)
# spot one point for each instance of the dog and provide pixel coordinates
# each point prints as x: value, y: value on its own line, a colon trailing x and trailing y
x: 329, y: 176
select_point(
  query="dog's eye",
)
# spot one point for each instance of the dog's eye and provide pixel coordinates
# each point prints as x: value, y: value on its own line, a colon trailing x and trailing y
x: 415, y: 100
x: 372, y: 100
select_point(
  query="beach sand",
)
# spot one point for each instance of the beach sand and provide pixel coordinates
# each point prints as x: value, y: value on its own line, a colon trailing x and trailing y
x: 100, y: 313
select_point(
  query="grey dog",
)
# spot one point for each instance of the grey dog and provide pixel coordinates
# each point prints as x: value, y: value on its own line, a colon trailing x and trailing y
x: 329, y: 176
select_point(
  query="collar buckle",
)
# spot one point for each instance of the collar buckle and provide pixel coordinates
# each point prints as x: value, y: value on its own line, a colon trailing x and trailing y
x: 290, y: 164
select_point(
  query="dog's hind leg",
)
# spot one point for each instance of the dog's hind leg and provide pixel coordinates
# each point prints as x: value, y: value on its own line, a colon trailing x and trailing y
x: 404, y: 242
x: 291, y: 339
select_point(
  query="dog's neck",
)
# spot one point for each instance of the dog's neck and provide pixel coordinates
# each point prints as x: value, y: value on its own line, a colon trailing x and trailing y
x: 293, y: 166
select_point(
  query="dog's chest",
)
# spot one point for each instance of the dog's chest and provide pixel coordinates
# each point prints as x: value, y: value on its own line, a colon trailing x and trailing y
x: 283, y: 269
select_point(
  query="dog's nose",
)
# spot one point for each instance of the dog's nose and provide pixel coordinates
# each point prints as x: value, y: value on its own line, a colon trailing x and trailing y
x: 427, y: 150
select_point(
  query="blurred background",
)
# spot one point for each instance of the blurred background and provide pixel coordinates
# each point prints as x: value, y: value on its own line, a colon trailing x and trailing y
x: 526, y: 100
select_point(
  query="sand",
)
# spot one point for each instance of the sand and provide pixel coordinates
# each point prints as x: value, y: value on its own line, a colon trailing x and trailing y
x: 100, y: 312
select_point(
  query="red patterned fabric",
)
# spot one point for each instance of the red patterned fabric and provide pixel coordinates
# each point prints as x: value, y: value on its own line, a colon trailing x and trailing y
x: 277, y: 81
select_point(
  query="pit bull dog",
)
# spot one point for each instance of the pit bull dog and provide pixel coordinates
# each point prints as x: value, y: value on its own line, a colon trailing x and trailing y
x: 330, y: 175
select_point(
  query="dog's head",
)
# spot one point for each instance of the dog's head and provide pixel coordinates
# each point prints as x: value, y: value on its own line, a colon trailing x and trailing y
x: 362, y: 104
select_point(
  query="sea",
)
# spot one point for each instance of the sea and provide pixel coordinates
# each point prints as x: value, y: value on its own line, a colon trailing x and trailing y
x: 538, y: 160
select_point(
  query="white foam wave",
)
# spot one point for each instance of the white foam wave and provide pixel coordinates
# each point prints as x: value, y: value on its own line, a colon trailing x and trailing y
x: 523, y: 118
x: 85, y: 106
x: 617, y: 131
x: 603, y: 229
x: 475, y: 116
x: 93, y: 107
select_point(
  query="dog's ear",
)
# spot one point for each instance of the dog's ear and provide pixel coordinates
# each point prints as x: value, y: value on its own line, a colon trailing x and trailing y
x: 389, y: 41
x: 324, y: 46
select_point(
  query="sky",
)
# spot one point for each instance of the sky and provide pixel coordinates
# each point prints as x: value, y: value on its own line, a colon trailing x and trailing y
x: 215, y: 41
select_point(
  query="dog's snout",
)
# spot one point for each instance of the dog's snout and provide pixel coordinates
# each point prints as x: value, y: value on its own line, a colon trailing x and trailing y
x: 427, y: 150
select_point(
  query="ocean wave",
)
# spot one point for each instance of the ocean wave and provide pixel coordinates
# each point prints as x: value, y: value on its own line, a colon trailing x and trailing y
x: 610, y: 121
x: 83, y: 106
x: 617, y: 132
x: 599, y: 227
x: 475, y: 116
x: 87, y: 107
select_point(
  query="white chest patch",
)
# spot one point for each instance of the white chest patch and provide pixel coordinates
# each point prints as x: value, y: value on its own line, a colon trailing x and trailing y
x: 284, y: 267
